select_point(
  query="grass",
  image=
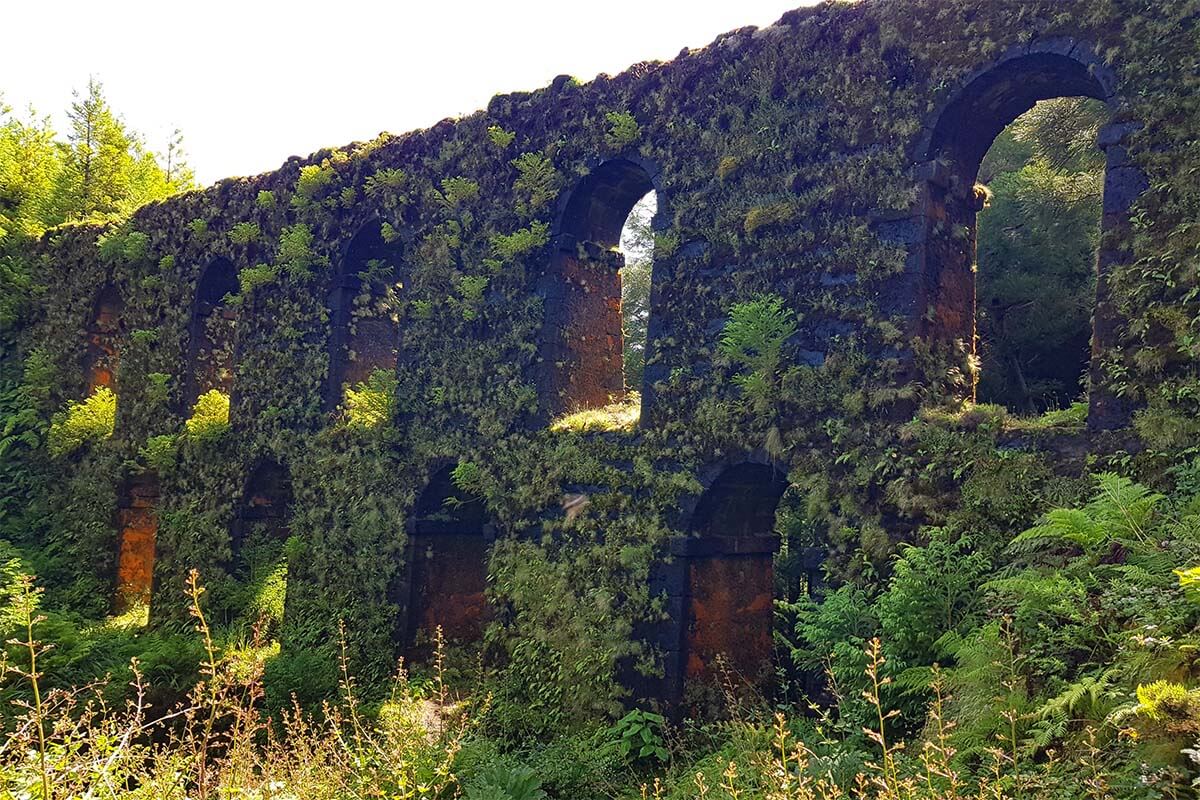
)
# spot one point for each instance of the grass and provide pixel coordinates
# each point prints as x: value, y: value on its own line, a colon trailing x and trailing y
x: 622, y: 415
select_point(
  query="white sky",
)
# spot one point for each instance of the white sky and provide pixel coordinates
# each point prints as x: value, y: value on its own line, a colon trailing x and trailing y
x: 253, y: 82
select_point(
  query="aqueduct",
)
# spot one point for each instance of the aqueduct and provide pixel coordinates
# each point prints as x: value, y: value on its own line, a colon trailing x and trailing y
x: 829, y: 159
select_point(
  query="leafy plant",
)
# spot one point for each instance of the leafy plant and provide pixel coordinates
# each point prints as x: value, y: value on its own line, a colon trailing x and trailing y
x: 538, y: 182
x: 79, y: 423
x: 210, y: 417
x: 623, y: 129
x: 251, y: 278
x: 265, y: 200
x: 244, y: 233
x: 456, y: 192
x: 160, y: 453
x: 372, y: 402
x: 519, y: 243
x: 500, y: 137
x: 753, y: 340
x: 313, y: 180
x: 385, y: 180
x: 637, y: 736
x: 296, y: 251
x: 503, y: 782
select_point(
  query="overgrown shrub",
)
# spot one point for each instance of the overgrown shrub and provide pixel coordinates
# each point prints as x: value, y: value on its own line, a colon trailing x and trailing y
x: 80, y: 422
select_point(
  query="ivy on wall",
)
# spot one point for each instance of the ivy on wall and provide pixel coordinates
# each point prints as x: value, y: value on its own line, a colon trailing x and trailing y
x: 779, y: 151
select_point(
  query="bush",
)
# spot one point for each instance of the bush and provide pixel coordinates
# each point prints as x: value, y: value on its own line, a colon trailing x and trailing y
x: 372, y: 402
x: 753, y: 340
x: 623, y: 129
x: 210, y: 417
x: 91, y: 420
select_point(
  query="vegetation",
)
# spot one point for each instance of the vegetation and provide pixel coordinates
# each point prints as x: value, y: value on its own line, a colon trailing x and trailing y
x: 969, y: 601
x: 1037, y: 250
x: 87, y: 421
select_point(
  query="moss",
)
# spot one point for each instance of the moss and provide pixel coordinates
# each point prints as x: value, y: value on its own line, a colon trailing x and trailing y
x: 622, y: 415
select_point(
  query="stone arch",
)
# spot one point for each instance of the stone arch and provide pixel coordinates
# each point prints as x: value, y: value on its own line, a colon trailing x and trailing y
x: 106, y: 324
x: 137, y: 533
x: 211, y: 330
x: 266, y: 505
x: 449, y: 535
x: 948, y: 157
x: 581, y: 347
x: 361, y: 342
x: 725, y: 583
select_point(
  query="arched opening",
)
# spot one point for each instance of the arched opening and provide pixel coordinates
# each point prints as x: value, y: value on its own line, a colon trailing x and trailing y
x: 137, y: 523
x: 104, y: 330
x: 365, y: 332
x: 264, y: 516
x: 448, y: 543
x: 730, y: 586
x: 594, y: 295
x: 1038, y: 239
x: 964, y: 133
x: 211, y: 332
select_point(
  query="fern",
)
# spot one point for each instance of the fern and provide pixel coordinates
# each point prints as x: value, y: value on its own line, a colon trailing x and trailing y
x: 1121, y: 510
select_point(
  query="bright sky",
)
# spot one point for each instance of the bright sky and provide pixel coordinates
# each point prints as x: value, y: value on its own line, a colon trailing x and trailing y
x: 253, y: 82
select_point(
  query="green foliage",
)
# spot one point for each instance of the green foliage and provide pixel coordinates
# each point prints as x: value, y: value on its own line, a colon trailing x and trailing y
x: 538, y: 182
x: 623, y: 129
x: 372, y: 403
x: 457, y: 192
x: 389, y: 233
x: 122, y: 244
x: 503, y: 782
x: 244, y: 233
x: 753, y: 340
x: 500, y: 137
x: 385, y: 181
x: 513, y: 246
x: 251, y: 278
x: 935, y: 591
x: 101, y: 172
x: 296, y: 251
x: 637, y: 736
x: 265, y: 200
x: 1037, y: 247
x: 79, y: 423
x: 198, y: 227
x: 158, y: 388
x: 471, y: 289
x: 160, y: 453
x: 1121, y: 510
x: 313, y: 181
x: 210, y: 417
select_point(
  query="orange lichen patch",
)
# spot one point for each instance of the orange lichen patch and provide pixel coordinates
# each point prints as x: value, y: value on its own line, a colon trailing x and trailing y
x: 449, y: 579
x: 729, y: 619
x: 138, y: 522
x: 592, y: 376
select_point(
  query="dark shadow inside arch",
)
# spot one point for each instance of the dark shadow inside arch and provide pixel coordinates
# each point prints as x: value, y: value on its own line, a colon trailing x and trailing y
x: 211, y: 332
x: 264, y: 514
x: 364, y: 334
x: 448, y: 541
x: 730, y: 586
x: 961, y: 137
x: 582, y: 342
x: 105, y: 327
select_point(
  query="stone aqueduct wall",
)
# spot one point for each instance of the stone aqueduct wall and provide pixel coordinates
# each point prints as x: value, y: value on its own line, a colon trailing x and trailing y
x: 829, y: 159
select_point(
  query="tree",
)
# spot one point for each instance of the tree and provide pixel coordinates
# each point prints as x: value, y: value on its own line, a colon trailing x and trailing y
x: 637, y: 243
x: 1037, y: 250
x: 29, y: 166
x: 107, y: 171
